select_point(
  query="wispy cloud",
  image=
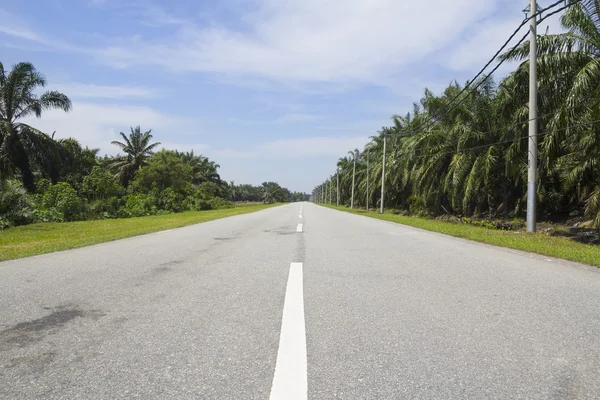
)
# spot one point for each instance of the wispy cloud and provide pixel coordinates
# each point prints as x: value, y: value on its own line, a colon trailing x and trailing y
x: 304, y: 45
x: 84, y: 90
x: 305, y: 40
x: 297, y: 147
x: 15, y: 27
x: 97, y: 125
x: 297, y: 117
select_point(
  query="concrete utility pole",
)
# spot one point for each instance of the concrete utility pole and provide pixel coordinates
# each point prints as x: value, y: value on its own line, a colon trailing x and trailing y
x: 353, y: 178
x: 533, y: 123
x: 367, y: 181
x: 330, y: 188
x: 383, y: 176
x: 337, y: 174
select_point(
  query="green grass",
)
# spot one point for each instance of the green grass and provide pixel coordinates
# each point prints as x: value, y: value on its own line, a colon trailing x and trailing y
x: 553, y: 246
x: 29, y: 240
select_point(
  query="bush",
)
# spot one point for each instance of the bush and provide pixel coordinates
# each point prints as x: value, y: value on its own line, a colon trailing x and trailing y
x: 51, y: 215
x: 138, y: 205
x: 100, y: 184
x: 42, y: 185
x: 104, y: 208
x: 219, y: 203
x: 170, y: 201
x: 63, y: 199
x: 16, y: 207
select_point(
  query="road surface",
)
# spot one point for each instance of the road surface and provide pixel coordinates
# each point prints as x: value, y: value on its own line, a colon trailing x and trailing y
x: 297, y: 302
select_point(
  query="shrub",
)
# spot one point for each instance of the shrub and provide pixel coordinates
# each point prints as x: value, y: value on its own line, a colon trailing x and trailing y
x: 42, y: 185
x: 170, y: 201
x: 51, y: 215
x: 219, y: 203
x: 104, y: 208
x: 16, y: 207
x: 138, y: 205
x: 63, y: 199
x: 100, y: 184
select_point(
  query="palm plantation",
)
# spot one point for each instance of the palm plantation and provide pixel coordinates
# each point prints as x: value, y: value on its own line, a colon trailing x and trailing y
x: 472, y: 159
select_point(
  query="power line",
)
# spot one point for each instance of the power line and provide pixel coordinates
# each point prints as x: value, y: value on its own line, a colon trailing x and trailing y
x: 431, y: 120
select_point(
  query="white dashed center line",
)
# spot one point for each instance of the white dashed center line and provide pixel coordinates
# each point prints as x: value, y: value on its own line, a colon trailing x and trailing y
x: 299, y: 228
x: 290, y: 381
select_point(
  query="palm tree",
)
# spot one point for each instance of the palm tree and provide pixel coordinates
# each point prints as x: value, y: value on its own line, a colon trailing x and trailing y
x: 569, y: 87
x: 272, y: 192
x: 22, y: 147
x: 137, y: 148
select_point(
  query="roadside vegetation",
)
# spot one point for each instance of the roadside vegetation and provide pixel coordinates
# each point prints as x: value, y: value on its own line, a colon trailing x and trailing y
x: 554, y: 246
x: 40, y: 238
x: 463, y: 155
x: 44, y: 179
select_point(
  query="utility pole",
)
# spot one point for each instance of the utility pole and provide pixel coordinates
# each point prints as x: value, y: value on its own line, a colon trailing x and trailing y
x: 383, y: 176
x: 367, y: 181
x: 330, y: 183
x: 353, y: 178
x: 533, y: 123
x: 337, y: 174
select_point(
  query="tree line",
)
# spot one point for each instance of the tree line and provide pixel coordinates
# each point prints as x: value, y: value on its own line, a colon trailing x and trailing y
x: 43, y: 179
x: 470, y: 159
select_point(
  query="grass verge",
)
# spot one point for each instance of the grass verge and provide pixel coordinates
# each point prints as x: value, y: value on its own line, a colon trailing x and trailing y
x: 553, y: 246
x: 29, y: 240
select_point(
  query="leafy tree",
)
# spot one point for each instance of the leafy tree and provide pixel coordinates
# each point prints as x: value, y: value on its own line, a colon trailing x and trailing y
x: 203, y: 169
x: 100, y: 184
x: 164, y: 170
x: 138, y: 149
x: 23, y: 149
x: 76, y: 161
x: 63, y: 200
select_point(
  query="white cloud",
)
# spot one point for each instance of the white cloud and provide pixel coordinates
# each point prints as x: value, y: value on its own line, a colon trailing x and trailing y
x: 298, y: 147
x: 197, y: 148
x: 83, y: 90
x: 97, y: 125
x: 13, y: 26
x: 308, y: 40
x: 483, y: 39
x: 234, y: 154
x: 296, y: 117
x: 9, y: 25
x: 311, y: 146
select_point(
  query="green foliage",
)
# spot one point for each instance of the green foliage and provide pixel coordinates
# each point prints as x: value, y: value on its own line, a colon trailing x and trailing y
x: 23, y: 149
x: 138, y: 205
x: 470, y: 158
x: 15, y: 205
x: 100, y: 184
x: 164, y: 170
x: 23, y: 241
x: 66, y: 181
x: 60, y: 202
x: 103, y: 208
x: 137, y: 149
x: 76, y: 162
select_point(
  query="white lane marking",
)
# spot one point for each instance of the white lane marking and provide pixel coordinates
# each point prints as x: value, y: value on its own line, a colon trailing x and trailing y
x: 160, y: 232
x: 299, y: 228
x: 300, y: 216
x: 290, y: 381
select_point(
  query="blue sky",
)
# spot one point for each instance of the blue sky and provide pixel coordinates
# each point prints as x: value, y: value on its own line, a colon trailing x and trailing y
x: 270, y: 89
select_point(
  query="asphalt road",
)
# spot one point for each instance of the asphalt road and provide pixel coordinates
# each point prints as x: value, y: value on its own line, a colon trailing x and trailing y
x: 257, y: 307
